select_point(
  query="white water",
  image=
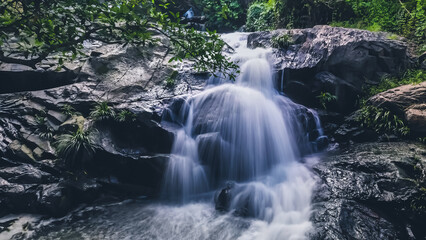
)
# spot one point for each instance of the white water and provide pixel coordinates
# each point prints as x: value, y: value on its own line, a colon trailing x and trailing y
x: 247, y: 133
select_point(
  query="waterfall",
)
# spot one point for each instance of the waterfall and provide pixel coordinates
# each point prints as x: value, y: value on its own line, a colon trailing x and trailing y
x: 247, y: 136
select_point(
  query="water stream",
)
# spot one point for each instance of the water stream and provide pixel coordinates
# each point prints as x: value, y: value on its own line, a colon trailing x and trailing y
x: 246, y: 136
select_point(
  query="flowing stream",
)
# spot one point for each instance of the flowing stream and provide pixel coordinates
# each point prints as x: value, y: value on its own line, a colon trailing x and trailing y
x: 240, y: 148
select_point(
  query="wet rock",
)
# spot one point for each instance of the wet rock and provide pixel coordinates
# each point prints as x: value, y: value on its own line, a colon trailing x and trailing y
x: 338, y: 60
x: 368, y: 191
x: 52, y: 199
x: 72, y: 124
x: 22, y: 151
x: 25, y: 174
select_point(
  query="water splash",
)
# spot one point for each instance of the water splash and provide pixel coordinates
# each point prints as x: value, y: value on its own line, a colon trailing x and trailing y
x: 247, y: 133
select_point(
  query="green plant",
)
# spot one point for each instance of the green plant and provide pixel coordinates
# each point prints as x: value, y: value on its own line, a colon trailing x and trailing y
x: 170, y: 81
x: 382, y: 121
x: 31, y: 31
x: 125, y: 116
x: 68, y: 110
x: 261, y: 16
x: 422, y: 140
x: 325, y: 98
x: 283, y: 40
x: 44, y: 130
x: 388, y: 82
x: 222, y: 14
x: 76, y: 148
x: 102, y: 111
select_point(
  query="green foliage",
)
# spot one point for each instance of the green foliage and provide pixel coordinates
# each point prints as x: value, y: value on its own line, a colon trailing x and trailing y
x: 283, y: 40
x: 102, y: 111
x: 30, y: 31
x: 44, y: 130
x: 170, y: 81
x: 422, y: 140
x: 76, y: 148
x: 409, y: 77
x: 261, y: 16
x: 225, y: 15
x: 325, y: 98
x: 407, y: 17
x: 307, y: 13
x: 382, y: 121
x: 125, y: 116
x: 68, y: 110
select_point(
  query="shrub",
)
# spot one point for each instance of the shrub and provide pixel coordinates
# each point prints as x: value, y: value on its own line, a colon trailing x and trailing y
x: 125, y: 116
x: 68, y: 110
x: 325, y: 98
x: 382, y: 121
x: 409, y: 77
x: 222, y: 14
x: 170, y: 81
x: 261, y: 16
x: 282, y: 40
x: 102, y: 111
x: 76, y: 148
x: 44, y: 130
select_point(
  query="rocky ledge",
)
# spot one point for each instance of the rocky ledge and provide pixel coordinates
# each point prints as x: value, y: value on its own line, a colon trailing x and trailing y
x: 337, y: 60
x: 371, y: 191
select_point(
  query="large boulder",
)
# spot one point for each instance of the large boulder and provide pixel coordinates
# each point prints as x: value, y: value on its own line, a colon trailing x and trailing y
x: 371, y: 191
x: 350, y: 59
x: 407, y: 101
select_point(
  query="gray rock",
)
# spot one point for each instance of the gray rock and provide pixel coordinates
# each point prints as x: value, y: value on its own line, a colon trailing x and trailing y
x: 351, y: 57
x: 371, y: 191
x: 25, y: 174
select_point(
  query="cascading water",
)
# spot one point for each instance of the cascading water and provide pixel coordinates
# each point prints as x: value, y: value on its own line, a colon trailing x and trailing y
x: 240, y: 144
x: 245, y: 132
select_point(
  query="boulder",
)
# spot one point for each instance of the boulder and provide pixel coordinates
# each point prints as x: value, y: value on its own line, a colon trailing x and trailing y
x: 371, y: 191
x: 416, y: 118
x: 338, y: 60
x: 25, y: 174
x: 407, y: 101
x: 399, y: 99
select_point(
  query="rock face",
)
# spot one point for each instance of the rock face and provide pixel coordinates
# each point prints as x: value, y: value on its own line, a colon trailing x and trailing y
x: 130, y: 157
x: 408, y: 101
x: 372, y: 191
x: 331, y: 59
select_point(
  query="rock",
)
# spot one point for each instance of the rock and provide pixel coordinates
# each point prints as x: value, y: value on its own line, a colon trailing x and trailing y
x: 72, y: 124
x: 368, y: 192
x: 52, y: 199
x: 416, y: 119
x: 400, y: 98
x: 346, y: 59
x: 345, y: 92
x: 22, y: 151
x: 25, y: 174
x: 56, y: 117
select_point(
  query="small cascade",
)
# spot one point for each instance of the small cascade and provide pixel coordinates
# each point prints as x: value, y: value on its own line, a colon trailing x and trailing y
x: 247, y: 136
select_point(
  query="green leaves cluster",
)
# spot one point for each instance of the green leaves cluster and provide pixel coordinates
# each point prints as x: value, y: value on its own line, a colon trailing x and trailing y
x: 326, y: 98
x: 404, y: 17
x: 76, y: 148
x: 102, y: 112
x: 261, y: 16
x: 409, y: 77
x: 32, y: 30
x: 283, y: 40
x: 226, y: 15
x: 382, y: 121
